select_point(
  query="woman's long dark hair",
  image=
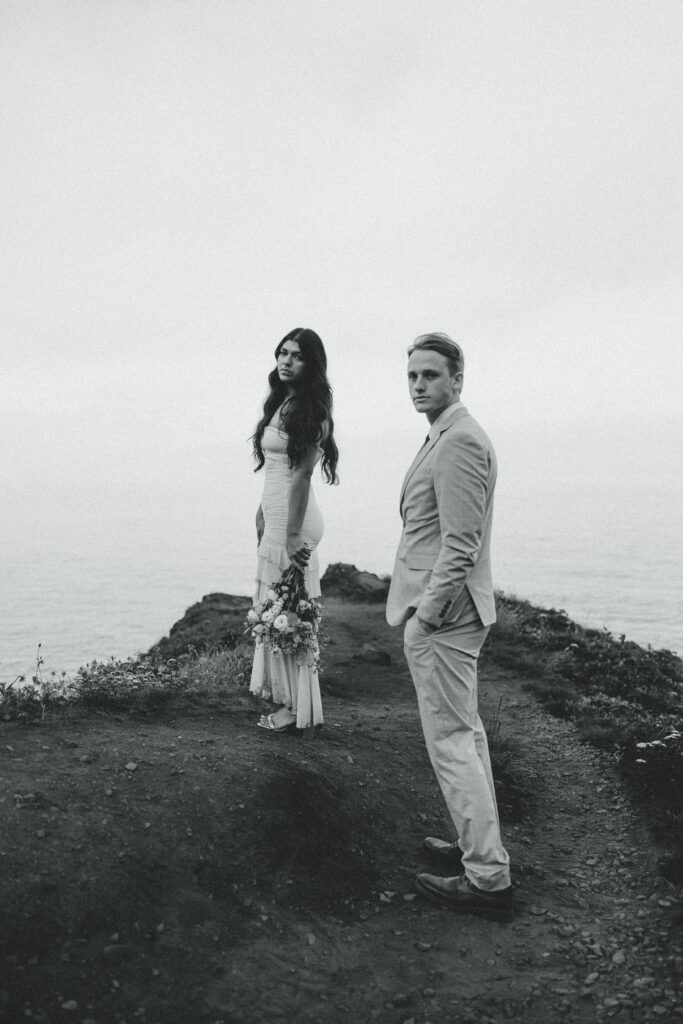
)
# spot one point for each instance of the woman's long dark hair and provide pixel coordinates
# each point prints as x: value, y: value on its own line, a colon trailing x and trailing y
x: 307, y: 414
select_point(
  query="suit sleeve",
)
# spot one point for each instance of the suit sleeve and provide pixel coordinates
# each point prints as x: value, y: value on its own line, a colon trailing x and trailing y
x: 461, y: 481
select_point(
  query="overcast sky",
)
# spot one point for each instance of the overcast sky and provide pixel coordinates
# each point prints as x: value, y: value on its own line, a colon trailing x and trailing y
x: 184, y: 181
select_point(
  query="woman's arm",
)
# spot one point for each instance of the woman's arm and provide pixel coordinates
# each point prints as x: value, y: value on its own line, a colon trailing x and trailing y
x: 260, y: 524
x: 298, y: 502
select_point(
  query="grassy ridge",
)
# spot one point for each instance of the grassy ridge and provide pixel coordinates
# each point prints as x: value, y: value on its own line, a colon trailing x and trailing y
x: 623, y: 698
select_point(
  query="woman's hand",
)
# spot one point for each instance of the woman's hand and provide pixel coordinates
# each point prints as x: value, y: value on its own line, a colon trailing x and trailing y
x: 299, y: 553
x: 260, y: 525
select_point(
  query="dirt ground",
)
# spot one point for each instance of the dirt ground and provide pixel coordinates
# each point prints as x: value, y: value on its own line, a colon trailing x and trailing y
x: 182, y: 868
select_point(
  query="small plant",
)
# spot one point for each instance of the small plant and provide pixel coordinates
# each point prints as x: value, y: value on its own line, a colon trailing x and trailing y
x: 29, y: 699
x: 655, y: 761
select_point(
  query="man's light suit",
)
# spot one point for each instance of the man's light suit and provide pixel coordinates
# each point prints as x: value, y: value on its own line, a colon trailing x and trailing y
x: 443, y: 571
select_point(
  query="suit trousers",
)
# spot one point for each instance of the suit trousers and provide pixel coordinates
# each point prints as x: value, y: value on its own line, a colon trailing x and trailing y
x: 443, y: 665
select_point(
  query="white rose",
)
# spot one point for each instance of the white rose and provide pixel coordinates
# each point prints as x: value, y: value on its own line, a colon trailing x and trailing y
x: 281, y: 623
x: 267, y: 617
x: 271, y: 595
x: 252, y: 616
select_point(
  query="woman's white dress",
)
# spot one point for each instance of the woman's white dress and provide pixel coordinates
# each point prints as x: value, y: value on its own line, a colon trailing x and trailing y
x: 283, y: 678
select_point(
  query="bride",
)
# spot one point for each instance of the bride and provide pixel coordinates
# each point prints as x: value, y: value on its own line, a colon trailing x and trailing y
x: 293, y: 435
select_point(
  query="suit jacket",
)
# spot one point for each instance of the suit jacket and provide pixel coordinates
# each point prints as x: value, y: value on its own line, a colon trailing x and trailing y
x: 446, y: 506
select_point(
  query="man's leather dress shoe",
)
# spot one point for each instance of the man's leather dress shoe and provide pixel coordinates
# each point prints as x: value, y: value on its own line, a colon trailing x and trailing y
x: 460, y: 894
x: 448, y: 855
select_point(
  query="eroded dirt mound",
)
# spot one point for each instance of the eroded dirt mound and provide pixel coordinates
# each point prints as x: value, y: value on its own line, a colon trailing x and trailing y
x: 307, y: 839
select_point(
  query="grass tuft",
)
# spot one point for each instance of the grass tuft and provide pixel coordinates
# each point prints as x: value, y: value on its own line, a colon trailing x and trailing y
x: 515, y: 780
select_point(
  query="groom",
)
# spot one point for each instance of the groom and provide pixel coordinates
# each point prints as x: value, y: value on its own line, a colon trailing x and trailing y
x: 441, y: 591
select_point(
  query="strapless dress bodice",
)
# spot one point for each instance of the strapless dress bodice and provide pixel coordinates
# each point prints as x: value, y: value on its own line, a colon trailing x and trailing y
x: 274, y: 442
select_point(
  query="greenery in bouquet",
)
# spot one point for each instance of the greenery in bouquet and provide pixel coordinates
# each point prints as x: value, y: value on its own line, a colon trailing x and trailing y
x: 288, y: 620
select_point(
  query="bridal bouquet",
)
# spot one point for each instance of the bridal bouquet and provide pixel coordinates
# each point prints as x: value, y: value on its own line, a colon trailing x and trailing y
x: 287, y: 621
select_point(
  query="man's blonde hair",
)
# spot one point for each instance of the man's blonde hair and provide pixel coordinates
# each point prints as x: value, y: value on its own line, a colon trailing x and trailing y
x: 436, y: 342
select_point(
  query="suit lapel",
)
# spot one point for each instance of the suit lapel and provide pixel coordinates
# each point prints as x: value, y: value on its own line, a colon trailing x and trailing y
x: 426, y: 448
x: 417, y: 461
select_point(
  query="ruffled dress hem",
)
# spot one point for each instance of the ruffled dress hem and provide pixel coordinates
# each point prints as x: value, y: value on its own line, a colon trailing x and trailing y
x: 285, y: 680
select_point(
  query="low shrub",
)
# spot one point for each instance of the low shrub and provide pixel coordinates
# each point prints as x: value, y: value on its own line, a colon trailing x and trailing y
x: 133, y: 684
x: 653, y: 762
x: 654, y: 768
x: 146, y: 683
x: 623, y: 698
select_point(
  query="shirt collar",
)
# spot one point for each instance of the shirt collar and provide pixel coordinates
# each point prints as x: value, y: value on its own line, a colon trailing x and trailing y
x: 443, y: 420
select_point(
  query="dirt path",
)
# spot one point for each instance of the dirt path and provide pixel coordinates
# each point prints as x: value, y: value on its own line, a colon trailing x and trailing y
x: 235, y: 876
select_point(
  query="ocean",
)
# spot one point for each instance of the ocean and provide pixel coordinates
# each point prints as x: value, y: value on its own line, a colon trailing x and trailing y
x: 87, y: 587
